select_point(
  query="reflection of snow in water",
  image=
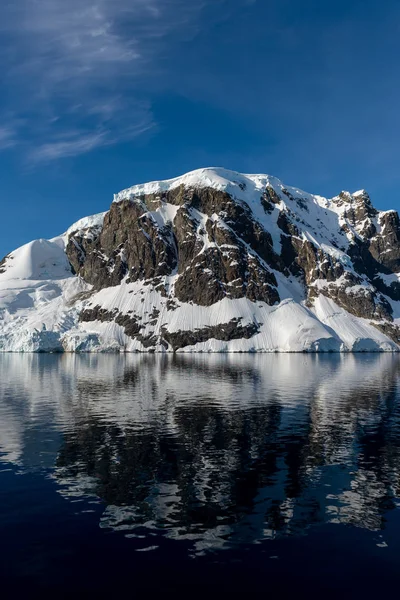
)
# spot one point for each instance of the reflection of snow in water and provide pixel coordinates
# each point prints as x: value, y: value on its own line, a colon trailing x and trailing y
x: 217, y: 450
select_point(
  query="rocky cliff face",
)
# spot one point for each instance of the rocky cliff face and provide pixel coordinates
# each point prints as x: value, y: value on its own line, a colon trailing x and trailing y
x: 211, y: 261
x: 206, y: 245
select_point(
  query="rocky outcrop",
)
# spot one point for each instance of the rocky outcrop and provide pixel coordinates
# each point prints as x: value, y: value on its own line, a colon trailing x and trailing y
x: 233, y: 330
x: 357, y: 299
x: 214, y: 259
x: 3, y: 264
x: 129, y: 244
x: 385, y: 247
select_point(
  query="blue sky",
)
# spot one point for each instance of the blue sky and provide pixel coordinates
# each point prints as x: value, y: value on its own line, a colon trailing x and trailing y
x: 99, y: 95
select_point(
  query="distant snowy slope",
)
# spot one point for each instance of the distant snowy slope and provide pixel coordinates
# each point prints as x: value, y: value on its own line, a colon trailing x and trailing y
x: 40, y: 259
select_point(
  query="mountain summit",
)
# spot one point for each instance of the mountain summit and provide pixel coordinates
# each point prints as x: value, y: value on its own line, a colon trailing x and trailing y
x: 211, y: 261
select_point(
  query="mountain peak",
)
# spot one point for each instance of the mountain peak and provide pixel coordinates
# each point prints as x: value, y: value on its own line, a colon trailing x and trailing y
x: 217, y: 178
x: 213, y: 260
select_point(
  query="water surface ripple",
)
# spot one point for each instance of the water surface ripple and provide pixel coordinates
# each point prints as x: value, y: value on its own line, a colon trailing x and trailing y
x: 200, y: 458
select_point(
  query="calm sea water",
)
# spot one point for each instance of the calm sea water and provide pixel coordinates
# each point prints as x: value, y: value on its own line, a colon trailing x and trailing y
x: 131, y: 476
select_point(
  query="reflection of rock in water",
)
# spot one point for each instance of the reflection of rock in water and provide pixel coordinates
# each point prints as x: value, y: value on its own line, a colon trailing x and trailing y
x: 213, y: 449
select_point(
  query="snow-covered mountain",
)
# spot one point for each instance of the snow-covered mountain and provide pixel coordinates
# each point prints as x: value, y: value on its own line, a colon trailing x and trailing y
x: 211, y: 261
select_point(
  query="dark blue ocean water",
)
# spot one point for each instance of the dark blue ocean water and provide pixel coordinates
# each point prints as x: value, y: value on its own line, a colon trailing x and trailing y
x: 226, y: 475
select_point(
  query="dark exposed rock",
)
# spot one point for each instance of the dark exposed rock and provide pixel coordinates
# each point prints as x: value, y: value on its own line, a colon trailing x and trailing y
x: 286, y: 224
x: 129, y: 323
x: 302, y: 258
x: 187, y: 242
x: 362, y: 259
x: 380, y: 253
x: 392, y: 290
x: 97, y: 313
x: 155, y: 313
x: 78, y: 247
x: 130, y: 242
x: 385, y: 247
x: 132, y: 245
x: 269, y: 199
x: 271, y: 195
x: 3, y: 263
x: 232, y: 330
x: 150, y: 341
x: 289, y: 257
x: 171, y: 305
x: 389, y: 329
x: 227, y: 331
x: 358, y: 300
x: 213, y: 276
x: 360, y: 207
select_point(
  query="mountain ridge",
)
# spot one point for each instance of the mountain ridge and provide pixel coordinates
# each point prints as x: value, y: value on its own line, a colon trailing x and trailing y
x: 213, y: 260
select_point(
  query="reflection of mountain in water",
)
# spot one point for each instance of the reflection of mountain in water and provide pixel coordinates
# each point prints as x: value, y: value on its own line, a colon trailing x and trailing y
x: 219, y: 449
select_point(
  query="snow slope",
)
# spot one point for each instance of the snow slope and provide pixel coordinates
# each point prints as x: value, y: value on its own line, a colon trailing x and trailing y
x: 37, y: 292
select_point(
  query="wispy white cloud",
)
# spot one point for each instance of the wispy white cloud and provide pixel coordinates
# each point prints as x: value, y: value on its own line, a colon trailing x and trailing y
x: 80, y: 144
x: 8, y: 137
x: 75, y: 69
x: 67, y: 41
x: 74, y: 143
